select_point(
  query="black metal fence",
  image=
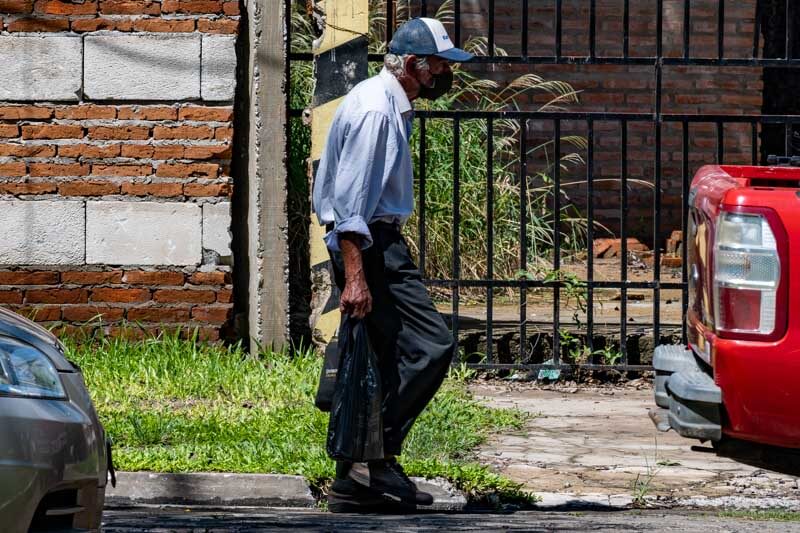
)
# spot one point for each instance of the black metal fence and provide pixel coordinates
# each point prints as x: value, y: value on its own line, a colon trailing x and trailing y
x: 551, y: 331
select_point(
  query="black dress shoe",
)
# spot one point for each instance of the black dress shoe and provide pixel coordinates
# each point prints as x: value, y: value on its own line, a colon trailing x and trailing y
x: 388, y: 479
x: 347, y: 496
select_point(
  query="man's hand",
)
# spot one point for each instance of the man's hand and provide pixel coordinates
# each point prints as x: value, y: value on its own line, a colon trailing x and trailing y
x: 356, y: 299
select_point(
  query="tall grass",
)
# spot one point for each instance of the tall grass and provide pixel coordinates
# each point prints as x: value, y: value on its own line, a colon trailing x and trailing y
x: 475, y: 93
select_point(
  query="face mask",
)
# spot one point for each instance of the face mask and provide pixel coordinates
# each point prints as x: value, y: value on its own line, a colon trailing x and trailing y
x: 442, y: 83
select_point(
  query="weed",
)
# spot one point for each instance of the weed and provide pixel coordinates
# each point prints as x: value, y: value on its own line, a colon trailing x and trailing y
x: 773, y: 515
x: 641, y: 487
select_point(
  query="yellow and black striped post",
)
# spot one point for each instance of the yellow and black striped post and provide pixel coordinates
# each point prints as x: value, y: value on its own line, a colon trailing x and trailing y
x: 340, y: 62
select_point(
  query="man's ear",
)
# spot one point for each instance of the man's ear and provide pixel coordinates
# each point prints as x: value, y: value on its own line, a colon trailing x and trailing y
x: 410, y: 65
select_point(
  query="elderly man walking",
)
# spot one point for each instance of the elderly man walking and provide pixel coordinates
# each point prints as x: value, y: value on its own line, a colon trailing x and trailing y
x: 363, y: 194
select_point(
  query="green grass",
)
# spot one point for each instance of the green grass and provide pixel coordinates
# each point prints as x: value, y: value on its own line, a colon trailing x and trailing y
x: 173, y: 405
x: 772, y: 515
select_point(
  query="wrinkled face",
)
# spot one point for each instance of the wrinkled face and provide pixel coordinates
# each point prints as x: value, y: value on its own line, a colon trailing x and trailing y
x: 437, y: 65
x: 416, y: 77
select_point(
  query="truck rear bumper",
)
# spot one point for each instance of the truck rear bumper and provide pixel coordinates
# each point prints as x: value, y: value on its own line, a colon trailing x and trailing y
x: 688, y: 400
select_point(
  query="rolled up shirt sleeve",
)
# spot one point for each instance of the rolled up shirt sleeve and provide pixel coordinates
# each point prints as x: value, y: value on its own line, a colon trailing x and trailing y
x: 365, y: 163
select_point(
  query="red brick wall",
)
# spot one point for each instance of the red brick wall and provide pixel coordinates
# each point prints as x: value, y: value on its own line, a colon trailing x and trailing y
x: 165, y: 152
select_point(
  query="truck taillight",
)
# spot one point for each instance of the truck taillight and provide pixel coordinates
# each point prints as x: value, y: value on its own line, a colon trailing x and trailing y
x: 747, y: 275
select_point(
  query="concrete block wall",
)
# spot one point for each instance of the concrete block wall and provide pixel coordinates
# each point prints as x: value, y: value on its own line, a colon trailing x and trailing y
x: 116, y: 123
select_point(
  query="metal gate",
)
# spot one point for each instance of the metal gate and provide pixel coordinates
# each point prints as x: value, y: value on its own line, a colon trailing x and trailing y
x: 522, y: 334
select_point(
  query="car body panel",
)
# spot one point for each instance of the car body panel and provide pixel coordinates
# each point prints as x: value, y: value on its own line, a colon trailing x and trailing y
x: 49, y: 446
x: 757, y: 374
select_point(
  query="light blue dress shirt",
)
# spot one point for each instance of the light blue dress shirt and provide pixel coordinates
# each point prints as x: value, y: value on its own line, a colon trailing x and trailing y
x: 365, y: 173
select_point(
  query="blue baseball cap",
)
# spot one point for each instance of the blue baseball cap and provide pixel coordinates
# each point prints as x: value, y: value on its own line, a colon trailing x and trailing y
x: 426, y: 37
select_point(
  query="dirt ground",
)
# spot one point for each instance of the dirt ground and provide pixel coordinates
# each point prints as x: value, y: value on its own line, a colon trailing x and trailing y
x: 599, y: 442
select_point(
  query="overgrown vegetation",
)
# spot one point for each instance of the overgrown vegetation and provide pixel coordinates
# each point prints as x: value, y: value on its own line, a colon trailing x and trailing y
x: 771, y: 515
x: 174, y: 405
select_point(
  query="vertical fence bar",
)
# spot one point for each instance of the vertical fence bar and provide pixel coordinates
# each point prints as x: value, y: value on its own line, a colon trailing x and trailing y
x: 721, y: 29
x: 389, y: 21
x: 623, y: 233
x: 657, y: 179
x: 457, y: 20
x: 590, y: 235
x: 456, y: 220
x: 687, y: 27
x: 523, y: 238
x: 787, y: 138
x: 789, y: 30
x: 720, y: 143
x: 592, y: 29
x: 490, y: 237
x: 424, y: 8
x: 754, y: 143
x: 626, y: 25
x: 557, y: 239
x: 491, y: 28
x: 685, y: 236
x: 757, y: 31
x: 524, y: 47
x: 558, y: 30
x: 423, y: 151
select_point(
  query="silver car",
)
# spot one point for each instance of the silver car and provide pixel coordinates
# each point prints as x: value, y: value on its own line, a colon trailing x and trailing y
x: 54, y: 457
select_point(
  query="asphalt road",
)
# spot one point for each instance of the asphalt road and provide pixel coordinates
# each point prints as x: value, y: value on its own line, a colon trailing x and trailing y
x: 178, y: 519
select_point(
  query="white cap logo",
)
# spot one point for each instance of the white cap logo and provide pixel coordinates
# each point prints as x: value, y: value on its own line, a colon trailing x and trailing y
x: 443, y: 42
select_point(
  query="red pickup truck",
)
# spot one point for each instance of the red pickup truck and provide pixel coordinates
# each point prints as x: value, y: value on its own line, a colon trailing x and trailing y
x: 739, y: 375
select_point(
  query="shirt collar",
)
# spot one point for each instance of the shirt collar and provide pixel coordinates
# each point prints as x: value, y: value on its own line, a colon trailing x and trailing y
x: 397, y: 91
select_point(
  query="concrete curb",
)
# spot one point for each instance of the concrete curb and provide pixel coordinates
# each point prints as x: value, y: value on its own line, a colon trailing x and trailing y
x: 245, y: 490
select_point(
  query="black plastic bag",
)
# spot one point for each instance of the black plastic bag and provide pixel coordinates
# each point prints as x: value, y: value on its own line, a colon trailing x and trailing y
x: 327, y: 380
x: 355, y: 430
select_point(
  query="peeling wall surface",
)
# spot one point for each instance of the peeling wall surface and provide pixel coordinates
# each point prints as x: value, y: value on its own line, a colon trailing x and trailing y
x: 116, y: 125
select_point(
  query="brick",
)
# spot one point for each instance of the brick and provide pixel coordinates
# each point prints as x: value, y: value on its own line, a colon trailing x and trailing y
x: 212, y: 314
x: 87, y: 188
x: 225, y: 296
x: 114, y: 70
x: 223, y: 133
x: 182, y: 132
x: 169, y: 151
x: 16, y: 6
x: 42, y: 232
x: 56, y: 296
x: 159, y: 277
x: 25, y: 112
x: 86, y: 112
x: 218, y: 26
x: 41, y: 313
x: 161, y: 190
x: 65, y: 7
x: 143, y: 233
x: 231, y: 8
x: 164, y: 25
x: 186, y: 296
x: 139, y: 151
x: 209, y: 278
x: 50, y: 170
x: 147, y: 113
x: 671, y: 261
x: 204, y: 334
x: 99, y: 24
x: 17, y: 188
x: 191, y: 6
x: 10, y: 297
x: 24, y: 277
x: 218, y: 151
x: 91, y: 278
x: 85, y: 313
x: 159, y: 314
x: 216, y: 114
x: 217, y: 228
x: 130, y: 7
x: 120, y: 295
x: 137, y: 133
x: 13, y: 169
x: 9, y: 131
x: 218, y: 76
x: 35, y: 24
x: 206, y: 189
x: 52, y: 131
x: 91, y: 151
x: 121, y: 170
x: 187, y: 170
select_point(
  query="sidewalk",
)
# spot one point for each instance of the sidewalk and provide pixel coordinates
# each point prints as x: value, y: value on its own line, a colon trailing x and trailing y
x: 594, y: 444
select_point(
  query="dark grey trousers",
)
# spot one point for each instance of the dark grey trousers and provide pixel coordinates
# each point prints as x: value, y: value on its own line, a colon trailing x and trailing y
x: 412, y: 341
